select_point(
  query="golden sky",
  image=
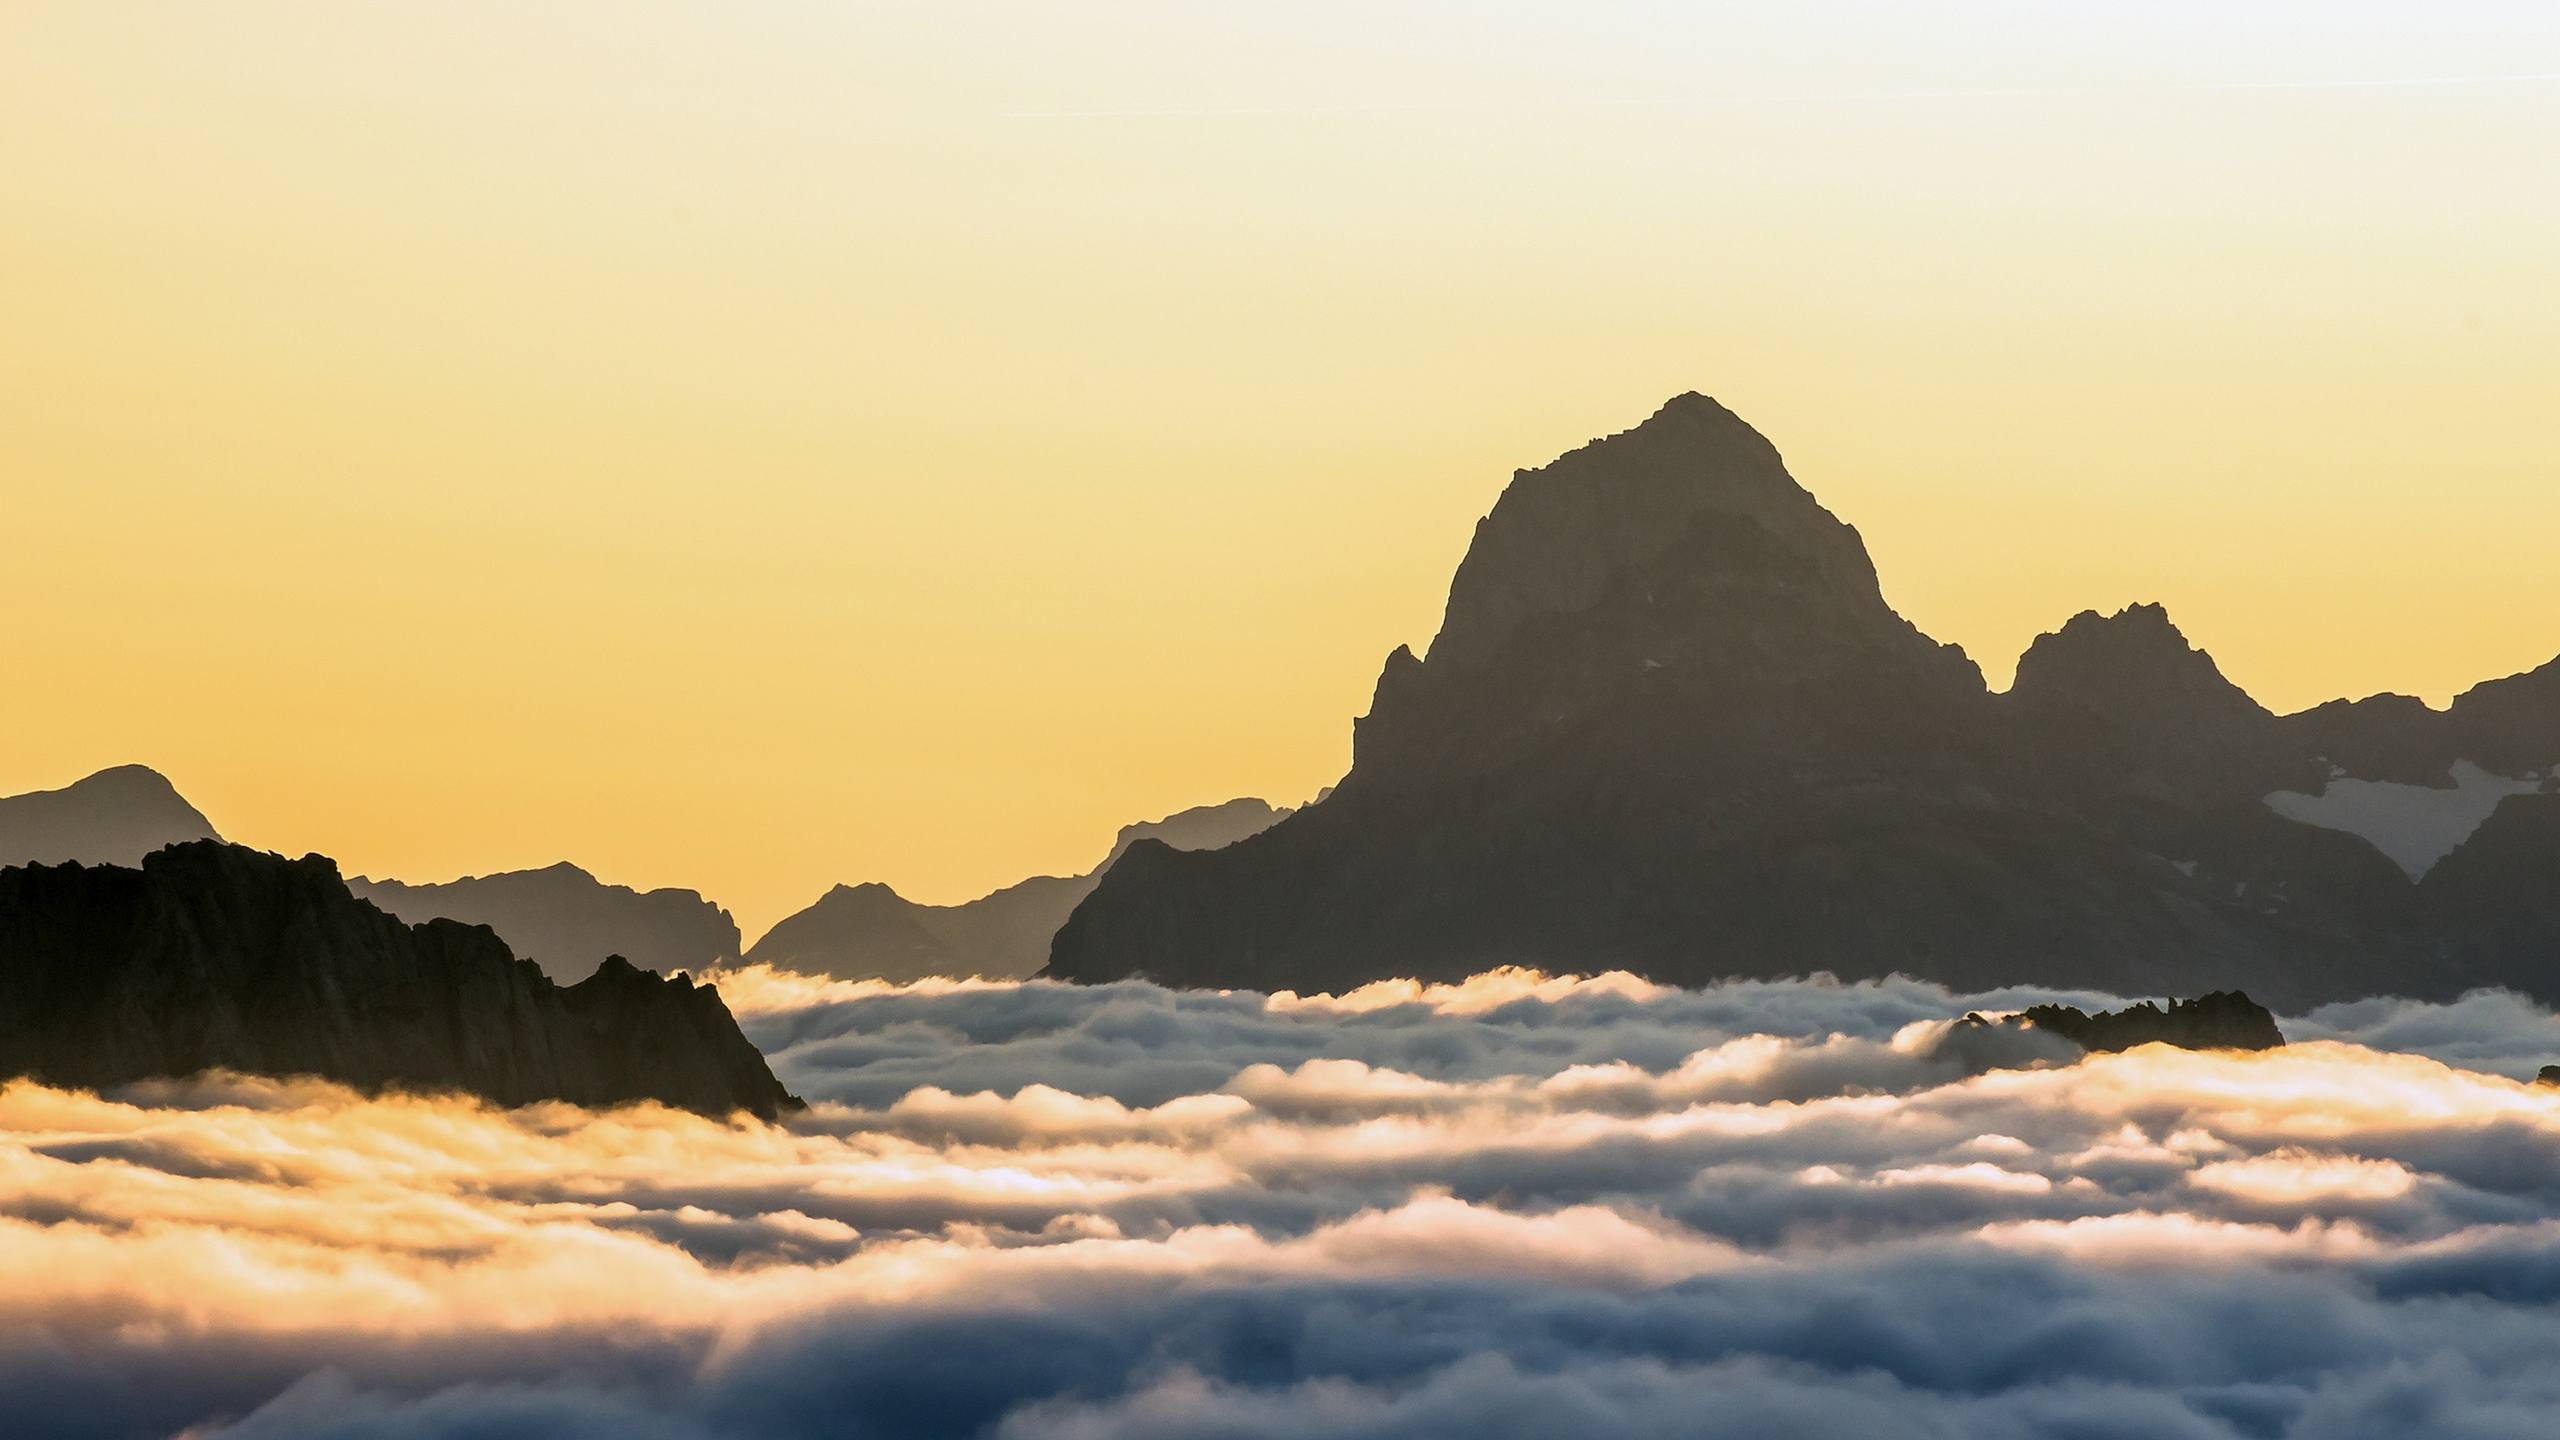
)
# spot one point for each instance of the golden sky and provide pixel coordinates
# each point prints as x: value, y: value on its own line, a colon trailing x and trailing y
x: 754, y: 446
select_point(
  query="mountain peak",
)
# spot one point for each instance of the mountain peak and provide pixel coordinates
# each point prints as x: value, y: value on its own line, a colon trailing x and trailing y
x: 113, y: 817
x: 1692, y: 402
x: 127, y: 777
x: 1672, y: 725
x: 2136, y: 659
x: 1561, y: 535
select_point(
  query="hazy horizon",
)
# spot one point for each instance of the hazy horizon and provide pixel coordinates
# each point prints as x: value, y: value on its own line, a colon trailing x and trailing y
x: 753, y: 451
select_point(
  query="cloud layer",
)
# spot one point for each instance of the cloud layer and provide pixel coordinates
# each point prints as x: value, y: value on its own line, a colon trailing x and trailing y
x: 1519, y: 1206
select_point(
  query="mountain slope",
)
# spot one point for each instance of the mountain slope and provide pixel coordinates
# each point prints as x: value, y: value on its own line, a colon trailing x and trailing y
x: 864, y: 932
x: 567, y: 920
x: 1671, y: 724
x: 114, y: 817
x: 210, y: 955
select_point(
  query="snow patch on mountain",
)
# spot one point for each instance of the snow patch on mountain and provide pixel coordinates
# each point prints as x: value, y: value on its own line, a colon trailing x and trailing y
x: 2416, y: 826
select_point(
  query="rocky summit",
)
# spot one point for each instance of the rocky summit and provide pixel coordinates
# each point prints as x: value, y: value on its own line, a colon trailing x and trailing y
x: 1670, y: 724
x: 2225, y: 1020
x: 213, y: 956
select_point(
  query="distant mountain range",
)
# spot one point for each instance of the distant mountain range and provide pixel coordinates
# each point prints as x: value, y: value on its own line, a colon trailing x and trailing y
x: 211, y: 955
x: 114, y: 817
x: 862, y: 932
x: 1671, y: 724
x: 567, y: 920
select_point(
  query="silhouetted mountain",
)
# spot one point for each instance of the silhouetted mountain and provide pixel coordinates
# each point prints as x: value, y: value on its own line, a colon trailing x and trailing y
x: 2124, y: 708
x: 114, y: 817
x: 1671, y: 724
x: 567, y: 920
x: 865, y: 932
x: 210, y: 955
x: 2225, y: 1020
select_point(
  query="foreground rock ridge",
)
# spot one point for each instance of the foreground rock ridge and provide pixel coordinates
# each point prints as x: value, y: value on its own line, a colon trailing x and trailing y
x: 215, y: 956
x: 871, y: 932
x: 1670, y: 724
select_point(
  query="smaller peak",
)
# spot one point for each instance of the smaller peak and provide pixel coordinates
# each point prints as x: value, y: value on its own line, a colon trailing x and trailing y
x: 2142, y: 631
x: 2144, y: 617
x: 131, y: 777
x: 2134, y: 661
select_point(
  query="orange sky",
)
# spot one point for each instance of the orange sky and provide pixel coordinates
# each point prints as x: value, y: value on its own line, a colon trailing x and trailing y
x: 752, y: 447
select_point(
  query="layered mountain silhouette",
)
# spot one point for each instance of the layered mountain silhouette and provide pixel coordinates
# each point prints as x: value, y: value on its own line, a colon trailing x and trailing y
x: 562, y: 917
x: 213, y: 956
x: 1671, y: 724
x: 114, y: 817
x: 867, y: 932
x: 567, y: 920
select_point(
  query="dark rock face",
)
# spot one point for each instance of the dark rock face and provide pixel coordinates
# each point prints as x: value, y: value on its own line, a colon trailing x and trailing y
x: 568, y: 921
x: 211, y: 955
x: 868, y: 932
x: 114, y: 817
x: 2499, y: 894
x: 2124, y: 710
x: 2224, y: 1020
x: 1670, y: 724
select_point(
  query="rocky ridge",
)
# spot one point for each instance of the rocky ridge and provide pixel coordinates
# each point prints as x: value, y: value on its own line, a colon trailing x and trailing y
x: 211, y: 956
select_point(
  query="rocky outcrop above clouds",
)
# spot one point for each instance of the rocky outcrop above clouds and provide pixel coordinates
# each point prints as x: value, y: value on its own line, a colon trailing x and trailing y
x: 2224, y: 1020
x: 211, y: 956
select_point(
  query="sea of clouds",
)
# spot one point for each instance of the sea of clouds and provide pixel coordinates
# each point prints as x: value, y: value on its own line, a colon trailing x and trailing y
x: 1514, y: 1207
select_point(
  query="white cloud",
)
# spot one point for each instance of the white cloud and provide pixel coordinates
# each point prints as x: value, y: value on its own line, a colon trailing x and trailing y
x: 1516, y: 1206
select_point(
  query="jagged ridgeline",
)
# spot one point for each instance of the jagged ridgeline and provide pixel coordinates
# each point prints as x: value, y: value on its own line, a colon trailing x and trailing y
x: 1671, y: 724
x: 214, y: 956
